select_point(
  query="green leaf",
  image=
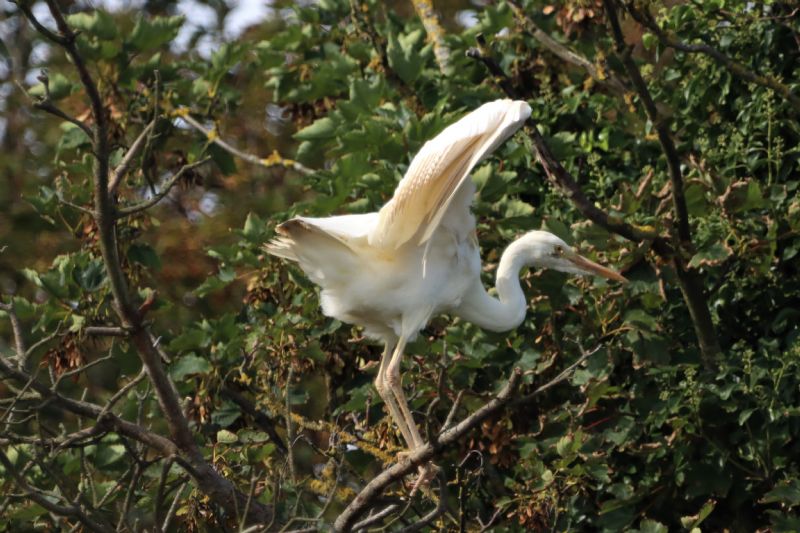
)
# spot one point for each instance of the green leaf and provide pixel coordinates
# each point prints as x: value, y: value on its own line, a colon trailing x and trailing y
x: 517, y: 208
x: 92, y: 276
x: 787, y: 493
x: 255, y: 229
x: 564, y: 445
x: 696, y: 202
x: 322, y: 128
x: 226, y: 415
x: 98, y: 24
x: 144, y: 254
x: 652, y: 526
x: 226, y: 437
x: 59, y: 85
x: 151, y: 34
x: 108, y: 454
x: 691, y: 522
x: 73, y: 137
x: 712, y: 255
x: 223, y: 159
x: 641, y: 319
x: 188, y: 365
x: 405, y: 55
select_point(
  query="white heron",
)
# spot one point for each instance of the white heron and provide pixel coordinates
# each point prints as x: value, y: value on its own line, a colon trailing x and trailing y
x: 391, y: 271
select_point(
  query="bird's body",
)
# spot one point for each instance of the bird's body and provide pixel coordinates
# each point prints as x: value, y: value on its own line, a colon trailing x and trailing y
x: 391, y: 271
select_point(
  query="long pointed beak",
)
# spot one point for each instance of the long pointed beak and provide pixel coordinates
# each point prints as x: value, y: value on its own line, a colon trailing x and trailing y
x: 590, y: 267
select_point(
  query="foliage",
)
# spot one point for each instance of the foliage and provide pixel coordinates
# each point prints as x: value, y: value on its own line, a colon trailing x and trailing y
x: 647, y: 434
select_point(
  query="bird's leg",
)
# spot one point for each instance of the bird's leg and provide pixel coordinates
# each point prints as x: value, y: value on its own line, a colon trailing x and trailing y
x: 385, y: 392
x: 395, y: 382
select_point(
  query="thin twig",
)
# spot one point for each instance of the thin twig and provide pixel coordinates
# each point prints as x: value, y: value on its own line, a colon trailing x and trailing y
x: 377, y: 517
x: 562, y: 376
x: 122, y: 392
x: 271, y: 161
x: 441, y: 507
x: 423, y: 455
x: 16, y: 331
x: 127, y: 161
x: 105, y: 331
x: 46, y: 501
x: 264, y: 422
x: 165, y: 189
x: 173, y: 508
x: 290, y: 426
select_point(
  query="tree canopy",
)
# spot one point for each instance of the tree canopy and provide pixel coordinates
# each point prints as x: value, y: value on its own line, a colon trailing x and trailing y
x: 160, y: 372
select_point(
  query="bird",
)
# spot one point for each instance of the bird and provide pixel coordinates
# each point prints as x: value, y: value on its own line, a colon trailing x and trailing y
x: 392, y: 270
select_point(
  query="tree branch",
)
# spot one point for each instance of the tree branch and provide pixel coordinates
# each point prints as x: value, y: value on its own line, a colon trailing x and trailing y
x: 423, y: 454
x: 737, y: 69
x: 433, y: 27
x: 567, y: 54
x: 125, y: 165
x: 659, y: 123
x: 234, y: 393
x: 564, y: 181
x: 16, y: 331
x: 691, y: 287
x: 272, y: 160
x: 689, y: 281
x: 105, y: 331
x: 208, y: 480
x: 165, y: 189
x: 72, y: 511
x: 90, y: 410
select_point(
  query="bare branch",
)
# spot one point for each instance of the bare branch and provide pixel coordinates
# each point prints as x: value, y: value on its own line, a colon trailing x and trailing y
x: 441, y: 507
x: 48, y: 107
x: 42, y: 29
x: 173, y: 508
x: 433, y: 27
x: 46, y: 501
x: 84, y: 210
x: 105, y: 331
x: 16, y: 331
x: 165, y: 189
x: 423, y: 454
x: 562, y: 376
x: 122, y: 392
x: 272, y: 160
x: 90, y: 410
x: 182, y: 445
x: 127, y: 161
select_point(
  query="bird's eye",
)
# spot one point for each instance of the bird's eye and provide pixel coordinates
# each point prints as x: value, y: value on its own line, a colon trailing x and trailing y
x: 558, y: 251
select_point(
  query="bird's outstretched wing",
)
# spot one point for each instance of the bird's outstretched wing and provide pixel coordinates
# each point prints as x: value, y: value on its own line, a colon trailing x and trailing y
x: 327, y: 249
x: 441, y: 166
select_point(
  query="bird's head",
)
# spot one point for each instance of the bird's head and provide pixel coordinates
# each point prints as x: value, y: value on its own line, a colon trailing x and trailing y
x: 545, y: 250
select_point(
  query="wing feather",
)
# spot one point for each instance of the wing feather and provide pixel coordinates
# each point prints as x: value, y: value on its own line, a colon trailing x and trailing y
x: 436, y: 173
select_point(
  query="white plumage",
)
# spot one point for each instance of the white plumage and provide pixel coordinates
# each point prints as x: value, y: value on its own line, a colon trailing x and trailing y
x: 418, y: 257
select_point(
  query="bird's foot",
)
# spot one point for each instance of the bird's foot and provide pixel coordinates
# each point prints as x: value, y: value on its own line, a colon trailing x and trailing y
x: 427, y: 473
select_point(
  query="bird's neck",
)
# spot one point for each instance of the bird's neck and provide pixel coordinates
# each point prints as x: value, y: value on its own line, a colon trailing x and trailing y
x: 507, y: 311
